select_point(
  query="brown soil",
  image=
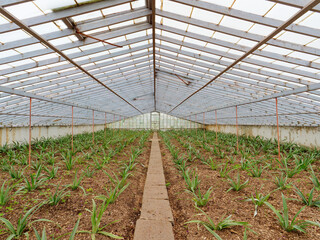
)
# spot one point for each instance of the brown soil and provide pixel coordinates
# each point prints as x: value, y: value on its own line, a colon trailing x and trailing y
x: 232, y: 203
x: 126, y: 209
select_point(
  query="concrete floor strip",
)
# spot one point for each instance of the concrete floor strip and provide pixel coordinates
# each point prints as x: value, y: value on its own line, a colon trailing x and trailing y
x: 155, y: 222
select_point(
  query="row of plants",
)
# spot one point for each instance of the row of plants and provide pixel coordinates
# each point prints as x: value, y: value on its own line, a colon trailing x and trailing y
x: 52, y: 161
x: 251, y: 147
x: 296, y: 160
x: 43, y: 170
x: 255, y: 157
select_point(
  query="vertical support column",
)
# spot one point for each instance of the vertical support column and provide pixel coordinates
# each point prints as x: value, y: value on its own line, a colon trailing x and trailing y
x: 150, y: 120
x: 93, y: 126
x: 30, y: 132
x: 167, y: 122
x: 237, y: 129
x: 173, y: 123
x: 196, y: 124
x: 72, y: 129
x: 113, y: 122
x: 105, y: 125
x: 204, y: 130
x: 216, y: 127
x: 278, y: 133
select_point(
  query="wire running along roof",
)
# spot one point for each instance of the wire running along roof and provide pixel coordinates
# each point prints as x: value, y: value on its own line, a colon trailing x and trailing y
x: 183, y: 57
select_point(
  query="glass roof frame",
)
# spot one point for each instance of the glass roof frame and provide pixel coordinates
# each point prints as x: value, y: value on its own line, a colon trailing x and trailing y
x: 194, y: 49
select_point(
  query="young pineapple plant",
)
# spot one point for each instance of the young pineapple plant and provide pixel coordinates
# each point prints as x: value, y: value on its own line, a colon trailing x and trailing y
x: 213, y: 228
x: 308, y: 199
x: 200, y: 199
x: 258, y: 200
x: 96, y: 219
x: 294, y: 224
x: 236, y: 185
x: 314, y: 179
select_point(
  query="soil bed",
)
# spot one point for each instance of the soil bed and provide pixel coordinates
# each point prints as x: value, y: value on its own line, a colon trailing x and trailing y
x: 126, y: 209
x: 225, y: 203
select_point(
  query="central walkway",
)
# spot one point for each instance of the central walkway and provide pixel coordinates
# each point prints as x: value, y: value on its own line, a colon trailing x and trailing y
x: 155, y: 222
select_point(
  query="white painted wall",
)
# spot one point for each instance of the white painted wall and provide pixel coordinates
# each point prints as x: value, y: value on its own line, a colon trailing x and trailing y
x: 21, y: 134
x: 306, y: 136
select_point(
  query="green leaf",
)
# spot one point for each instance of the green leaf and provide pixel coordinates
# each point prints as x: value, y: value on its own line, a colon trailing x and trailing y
x: 74, y: 231
x: 213, y: 233
x: 110, y: 235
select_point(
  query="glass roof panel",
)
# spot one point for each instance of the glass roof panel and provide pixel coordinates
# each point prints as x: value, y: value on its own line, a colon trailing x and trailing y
x: 261, y: 29
x: 46, y: 28
x: 40, y: 70
x: 247, y: 42
x: 295, y: 38
x: 203, y: 31
x: 304, y: 56
x: 87, y: 16
x: 275, y: 49
x: 226, y: 3
x: 281, y: 12
x: 8, y: 53
x: 259, y: 7
x: 116, y: 9
x: 19, y: 10
x: 30, y: 48
x: 13, y: 36
x: 231, y: 22
x: 174, y: 7
x: 315, y: 43
x: 171, y: 35
x: 46, y: 5
x: 204, y: 15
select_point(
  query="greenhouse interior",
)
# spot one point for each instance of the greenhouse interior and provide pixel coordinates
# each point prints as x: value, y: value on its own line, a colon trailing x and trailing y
x: 159, y: 119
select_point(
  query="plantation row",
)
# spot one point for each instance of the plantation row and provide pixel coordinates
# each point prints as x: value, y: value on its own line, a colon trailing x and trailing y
x: 62, y: 185
x: 255, y: 194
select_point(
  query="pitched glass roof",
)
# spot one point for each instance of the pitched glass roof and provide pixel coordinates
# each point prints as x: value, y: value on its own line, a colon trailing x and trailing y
x: 195, y: 58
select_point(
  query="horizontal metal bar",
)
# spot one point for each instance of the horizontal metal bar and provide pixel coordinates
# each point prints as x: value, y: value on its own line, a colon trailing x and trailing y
x: 30, y: 95
x: 248, y: 16
x: 235, y: 57
x: 295, y: 3
x: 238, y: 33
x: 67, y: 46
x: 7, y: 3
x: 55, y: 60
x: 86, y: 26
x: 34, y: 34
x: 54, y: 16
x: 262, y: 53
